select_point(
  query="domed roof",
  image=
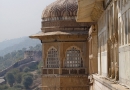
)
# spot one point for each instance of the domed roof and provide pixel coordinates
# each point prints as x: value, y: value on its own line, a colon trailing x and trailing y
x: 61, y: 8
x: 59, y: 18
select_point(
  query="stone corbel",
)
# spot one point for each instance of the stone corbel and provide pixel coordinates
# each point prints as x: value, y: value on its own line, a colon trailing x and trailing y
x: 94, y: 27
x: 91, y: 80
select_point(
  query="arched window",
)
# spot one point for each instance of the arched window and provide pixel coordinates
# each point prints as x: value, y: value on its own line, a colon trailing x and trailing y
x: 73, y: 58
x: 52, y: 58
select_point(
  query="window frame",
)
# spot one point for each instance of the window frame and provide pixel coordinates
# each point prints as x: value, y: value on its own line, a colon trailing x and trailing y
x: 73, y: 58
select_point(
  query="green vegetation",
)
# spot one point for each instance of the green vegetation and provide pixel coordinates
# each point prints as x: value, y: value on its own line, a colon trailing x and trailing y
x: 3, y: 87
x: 22, y: 80
x: 27, y: 81
x: 10, y: 78
x: 26, y: 69
x: 10, y: 58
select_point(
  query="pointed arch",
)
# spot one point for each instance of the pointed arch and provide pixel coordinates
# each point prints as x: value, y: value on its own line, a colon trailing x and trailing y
x: 73, y: 57
x: 52, y: 58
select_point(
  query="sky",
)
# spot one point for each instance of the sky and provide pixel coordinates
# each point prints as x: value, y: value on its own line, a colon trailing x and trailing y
x: 19, y: 18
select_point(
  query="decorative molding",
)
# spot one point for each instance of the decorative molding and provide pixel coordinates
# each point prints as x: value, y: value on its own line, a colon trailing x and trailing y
x: 61, y: 8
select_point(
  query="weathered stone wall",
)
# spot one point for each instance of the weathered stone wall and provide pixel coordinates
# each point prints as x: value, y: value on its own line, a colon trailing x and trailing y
x: 102, y: 45
x: 113, y: 44
x: 124, y: 65
x: 15, y: 65
x: 101, y: 83
x: 33, y: 54
x: 73, y: 82
x: 62, y: 47
x: 124, y: 42
x: 99, y: 86
x: 63, y: 77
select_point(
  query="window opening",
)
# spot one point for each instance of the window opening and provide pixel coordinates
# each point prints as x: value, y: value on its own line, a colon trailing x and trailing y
x: 73, y: 58
x: 52, y: 58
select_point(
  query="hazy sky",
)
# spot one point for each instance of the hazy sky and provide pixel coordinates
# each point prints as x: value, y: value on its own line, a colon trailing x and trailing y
x: 20, y: 18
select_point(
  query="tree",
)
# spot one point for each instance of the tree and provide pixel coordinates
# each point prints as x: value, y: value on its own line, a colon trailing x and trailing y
x: 27, y: 74
x: 26, y: 69
x: 18, y: 78
x: 15, y: 71
x: 3, y: 87
x: 17, y: 75
x: 27, y: 81
x: 18, y: 87
x: 10, y: 79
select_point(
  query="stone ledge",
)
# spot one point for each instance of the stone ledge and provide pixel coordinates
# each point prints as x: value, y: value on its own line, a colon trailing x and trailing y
x: 56, y: 75
x: 109, y: 83
x: 124, y: 48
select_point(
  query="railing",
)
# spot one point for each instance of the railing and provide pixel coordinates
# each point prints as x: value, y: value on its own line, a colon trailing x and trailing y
x: 63, y: 70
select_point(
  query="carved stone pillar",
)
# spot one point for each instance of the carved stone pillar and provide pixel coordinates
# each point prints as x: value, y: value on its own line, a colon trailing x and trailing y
x: 44, y: 57
x: 112, y: 59
x: 116, y: 71
x: 116, y: 60
x: 61, y: 55
x: 109, y: 57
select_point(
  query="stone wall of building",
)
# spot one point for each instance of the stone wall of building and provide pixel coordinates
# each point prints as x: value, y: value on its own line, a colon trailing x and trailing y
x: 102, y: 45
x: 65, y: 82
x: 113, y: 45
x: 124, y: 65
x: 65, y: 64
x: 62, y: 48
x: 124, y: 42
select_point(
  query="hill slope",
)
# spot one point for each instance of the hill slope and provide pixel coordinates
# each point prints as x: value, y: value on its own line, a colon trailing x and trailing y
x: 16, y: 44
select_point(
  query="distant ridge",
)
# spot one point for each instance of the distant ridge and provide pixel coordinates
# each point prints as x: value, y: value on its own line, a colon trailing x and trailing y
x: 16, y: 44
x: 11, y: 42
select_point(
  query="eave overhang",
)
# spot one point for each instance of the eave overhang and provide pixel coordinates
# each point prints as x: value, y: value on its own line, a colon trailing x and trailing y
x: 89, y: 10
x: 57, y: 33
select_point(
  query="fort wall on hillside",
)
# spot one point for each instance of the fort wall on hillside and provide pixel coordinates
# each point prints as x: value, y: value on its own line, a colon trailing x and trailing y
x: 30, y: 58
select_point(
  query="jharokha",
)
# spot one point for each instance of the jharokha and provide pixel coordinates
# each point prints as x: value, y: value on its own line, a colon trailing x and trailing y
x: 85, y: 45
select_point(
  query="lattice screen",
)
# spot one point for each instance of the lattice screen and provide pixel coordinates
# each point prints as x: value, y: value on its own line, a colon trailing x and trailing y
x: 73, y: 58
x: 53, y: 58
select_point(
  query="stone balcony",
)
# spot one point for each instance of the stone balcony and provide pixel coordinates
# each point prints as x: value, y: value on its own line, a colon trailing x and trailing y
x: 63, y: 71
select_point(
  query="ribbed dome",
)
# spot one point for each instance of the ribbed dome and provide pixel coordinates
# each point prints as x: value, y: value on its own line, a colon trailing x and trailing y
x: 61, y: 16
x: 61, y: 9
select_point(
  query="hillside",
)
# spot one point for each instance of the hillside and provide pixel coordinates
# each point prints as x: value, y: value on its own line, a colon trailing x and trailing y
x: 14, y: 56
x: 17, y: 44
x: 11, y: 42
